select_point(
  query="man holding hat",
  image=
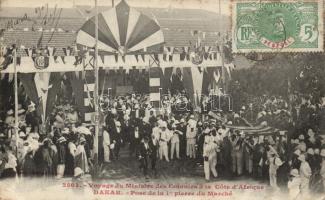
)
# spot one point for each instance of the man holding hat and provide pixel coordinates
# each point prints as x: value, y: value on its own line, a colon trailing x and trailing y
x: 274, y: 163
x: 305, y: 173
x: 106, y: 145
x: 210, y: 156
x: 191, y: 138
x: 163, y: 141
x: 81, y: 159
x: 175, y: 141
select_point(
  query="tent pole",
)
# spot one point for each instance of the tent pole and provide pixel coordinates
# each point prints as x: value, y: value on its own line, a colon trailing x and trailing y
x: 16, y: 97
x: 96, y: 88
x: 222, y: 53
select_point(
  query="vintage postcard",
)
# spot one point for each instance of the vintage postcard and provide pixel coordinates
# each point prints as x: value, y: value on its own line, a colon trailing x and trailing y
x: 162, y: 99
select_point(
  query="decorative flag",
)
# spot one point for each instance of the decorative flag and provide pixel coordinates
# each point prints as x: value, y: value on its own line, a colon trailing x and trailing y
x: 42, y: 81
x: 197, y: 81
x: 89, y: 88
x: 216, y: 76
x: 155, y: 85
x: 54, y: 88
x: 229, y: 67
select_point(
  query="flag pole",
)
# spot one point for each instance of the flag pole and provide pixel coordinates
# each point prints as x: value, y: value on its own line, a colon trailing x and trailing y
x: 14, y: 52
x: 96, y: 88
x: 221, y: 43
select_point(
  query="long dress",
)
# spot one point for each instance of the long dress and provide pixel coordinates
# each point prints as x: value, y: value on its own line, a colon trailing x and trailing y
x: 81, y: 159
x: 70, y: 160
x: 29, y: 167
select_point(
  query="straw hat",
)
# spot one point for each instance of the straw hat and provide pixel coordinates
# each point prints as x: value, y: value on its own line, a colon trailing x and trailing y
x: 264, y: 123
x: 46, y: 140
x: 114, y: 111
x: 22, y: 134
x: 126, y: 117
x: 278, y: 162
x: 78, y: 171
x: 65, y: 130
x: 163, y: 124
x: 302, y: 157
x: 146, y: 120
x: 10, y: 112
x: 242, y: 134
x: 297, y: 152
x: 206, y: 131
x: 59, y: 119
x: 21, y: 112
x: 123, y: 107
x: 294, y: 172
x: 301, y: 137
x: 83, y: 130
x: 272, y: 150
x: 310, y: 151
x: 82, y: 139
x: 176, y: 122
x: 61, y: 139
x: 118, y: 124
x: 31, y: 107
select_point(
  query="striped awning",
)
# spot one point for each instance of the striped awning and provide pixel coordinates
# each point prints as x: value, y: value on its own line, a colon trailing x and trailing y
x: 255, y: 130
x: 121, y: 30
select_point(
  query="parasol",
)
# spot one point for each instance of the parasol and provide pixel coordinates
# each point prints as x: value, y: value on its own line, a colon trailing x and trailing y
x: 121, y: 30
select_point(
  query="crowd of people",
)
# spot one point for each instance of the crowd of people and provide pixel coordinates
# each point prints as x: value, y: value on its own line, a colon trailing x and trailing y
x: 287, y: 159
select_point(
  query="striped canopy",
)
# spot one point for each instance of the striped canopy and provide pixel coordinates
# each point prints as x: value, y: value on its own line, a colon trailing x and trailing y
x: 121, y: 30
x: 255, y: 130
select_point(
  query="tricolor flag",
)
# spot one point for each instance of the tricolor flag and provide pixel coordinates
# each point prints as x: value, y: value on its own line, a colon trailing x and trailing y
x: 89, y: 107
x: 155, y: 85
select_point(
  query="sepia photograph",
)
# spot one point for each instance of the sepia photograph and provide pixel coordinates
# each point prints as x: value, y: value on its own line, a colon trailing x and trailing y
x: 162, y: 99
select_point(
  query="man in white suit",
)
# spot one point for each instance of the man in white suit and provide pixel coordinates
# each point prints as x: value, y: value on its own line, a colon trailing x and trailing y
x: 106, y: 145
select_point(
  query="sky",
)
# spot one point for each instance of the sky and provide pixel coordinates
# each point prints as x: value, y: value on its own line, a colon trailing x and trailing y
x: 211, y: 5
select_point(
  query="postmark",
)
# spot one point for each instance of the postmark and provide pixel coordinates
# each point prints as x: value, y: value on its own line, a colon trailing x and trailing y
x: 273, y: 26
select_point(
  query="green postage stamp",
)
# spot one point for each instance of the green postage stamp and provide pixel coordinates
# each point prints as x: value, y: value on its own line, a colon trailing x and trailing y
x: 274, y: 26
